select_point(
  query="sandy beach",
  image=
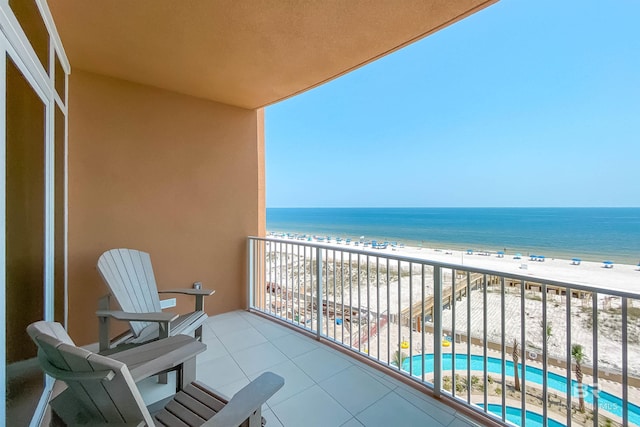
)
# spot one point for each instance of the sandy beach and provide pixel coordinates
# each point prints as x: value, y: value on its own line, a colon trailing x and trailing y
x: 621, y: 277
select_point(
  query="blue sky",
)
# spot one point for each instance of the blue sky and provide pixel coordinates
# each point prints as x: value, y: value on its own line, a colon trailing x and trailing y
x: 526, y: 103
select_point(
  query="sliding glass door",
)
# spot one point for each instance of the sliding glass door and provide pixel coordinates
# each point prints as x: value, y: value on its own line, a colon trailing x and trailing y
x: 25, y: 297
x: 33, y: 198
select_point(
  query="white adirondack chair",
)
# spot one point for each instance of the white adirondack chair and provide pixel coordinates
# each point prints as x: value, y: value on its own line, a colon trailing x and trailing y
x: 129, y: 275
x: 101, y: 390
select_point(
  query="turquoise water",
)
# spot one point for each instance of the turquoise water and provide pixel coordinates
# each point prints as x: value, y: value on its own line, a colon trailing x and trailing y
x: 606, y: 401
x: 592, y: 234
x: 514, y: 415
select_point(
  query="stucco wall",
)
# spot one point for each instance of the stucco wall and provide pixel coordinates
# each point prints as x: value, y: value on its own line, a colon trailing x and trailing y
x: 179, y: 177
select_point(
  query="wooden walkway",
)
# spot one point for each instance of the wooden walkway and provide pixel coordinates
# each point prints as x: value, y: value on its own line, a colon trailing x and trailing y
x: 417, y: 310
x: 413, y: 315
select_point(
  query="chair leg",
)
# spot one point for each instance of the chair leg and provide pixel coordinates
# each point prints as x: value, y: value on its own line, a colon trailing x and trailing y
x: 103, y: 324
x: 186, y: 374
x: 198, y: 333
x: 103, y: 334
x: 164, y: 330
x: 163, y: 378
x: 255, y: 420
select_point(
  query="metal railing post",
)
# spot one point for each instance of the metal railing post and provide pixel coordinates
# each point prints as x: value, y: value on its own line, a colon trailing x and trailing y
x: 484, y: 344
x: 545, y: 350
x: 437, y: 330
x: 625, y: 364
x: 595, y: 388
x: 250, y: 273
x: 523, y: 353
x: 319, y: 291
x: 569, y: 294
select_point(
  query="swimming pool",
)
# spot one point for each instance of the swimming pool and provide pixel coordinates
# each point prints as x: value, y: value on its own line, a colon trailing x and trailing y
x: 514, y: 415
x: 606, y: 401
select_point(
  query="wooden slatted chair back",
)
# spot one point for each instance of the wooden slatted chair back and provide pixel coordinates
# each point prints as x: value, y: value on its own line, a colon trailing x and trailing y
x: 103, y: 390
x: 53, y: 329
x: 129, y: 275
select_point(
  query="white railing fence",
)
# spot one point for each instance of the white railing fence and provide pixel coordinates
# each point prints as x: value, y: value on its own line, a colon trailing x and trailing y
x: 503, y: 344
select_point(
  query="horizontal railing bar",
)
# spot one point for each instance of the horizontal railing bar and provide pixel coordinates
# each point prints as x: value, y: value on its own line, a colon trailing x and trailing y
x: 461, y: 267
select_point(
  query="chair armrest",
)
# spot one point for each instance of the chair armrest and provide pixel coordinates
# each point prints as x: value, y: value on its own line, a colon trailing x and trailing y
x: 198, y: 293
x: 189, y: 291
x: 163, y: 319
x: 138, y: 317
x: 245, y: 402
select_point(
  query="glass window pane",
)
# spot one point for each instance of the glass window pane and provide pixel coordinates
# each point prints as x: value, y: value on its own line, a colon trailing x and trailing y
x: 59, y: 211
x: 60, y: 80
x: 28, y: 15
x: 25, y: 197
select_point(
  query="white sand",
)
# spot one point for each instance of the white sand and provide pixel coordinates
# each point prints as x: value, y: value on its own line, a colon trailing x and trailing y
x: 622, y: 277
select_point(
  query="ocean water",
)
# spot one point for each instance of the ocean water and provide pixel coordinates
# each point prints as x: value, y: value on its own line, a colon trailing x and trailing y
x: 593, y: 234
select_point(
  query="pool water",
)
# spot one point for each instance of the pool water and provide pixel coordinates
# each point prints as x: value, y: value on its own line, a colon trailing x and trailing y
x: 514, y: 415
x: 606, y: 401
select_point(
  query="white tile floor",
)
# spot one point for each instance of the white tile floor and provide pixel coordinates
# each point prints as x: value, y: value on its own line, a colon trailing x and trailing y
x: 322, y: 387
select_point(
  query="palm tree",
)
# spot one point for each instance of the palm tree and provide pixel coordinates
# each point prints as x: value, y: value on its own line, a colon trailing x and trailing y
x: 578, y: 355
x: 547, y: 330
x: 398, y: 358
x: 515, y: 364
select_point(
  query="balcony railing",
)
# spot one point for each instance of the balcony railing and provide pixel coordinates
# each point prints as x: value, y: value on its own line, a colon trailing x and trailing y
x: 461, y: 330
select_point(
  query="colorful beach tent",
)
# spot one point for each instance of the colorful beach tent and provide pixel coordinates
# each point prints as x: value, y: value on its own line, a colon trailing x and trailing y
x: 607, y: 264
x: 576, y: 261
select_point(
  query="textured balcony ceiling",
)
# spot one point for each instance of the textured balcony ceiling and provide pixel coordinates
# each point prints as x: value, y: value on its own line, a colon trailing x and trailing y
x: 248, y: 53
